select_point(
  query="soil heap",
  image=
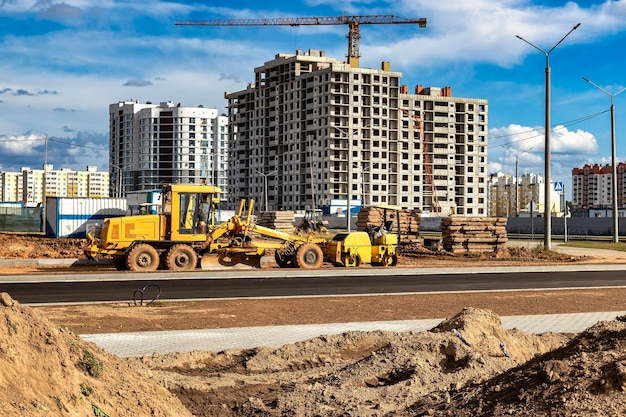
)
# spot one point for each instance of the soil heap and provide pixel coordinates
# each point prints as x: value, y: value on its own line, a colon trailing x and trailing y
x: 352, y: 374
x: 47, y: 370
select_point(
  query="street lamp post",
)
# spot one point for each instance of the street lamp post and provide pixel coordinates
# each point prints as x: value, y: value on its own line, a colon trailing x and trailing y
x: 517, y: 179
x: 547, y: 235
x: 613, y: 159
x: 265, y: 183
x: 118, y: 190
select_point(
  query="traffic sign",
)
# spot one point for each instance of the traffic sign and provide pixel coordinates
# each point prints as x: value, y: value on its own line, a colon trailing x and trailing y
x: 558, y: 186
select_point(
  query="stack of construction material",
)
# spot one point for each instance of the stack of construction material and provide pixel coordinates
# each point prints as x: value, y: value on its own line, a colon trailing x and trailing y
x: 473, y: 235
x: 374, y: 216
x: 277, y: 220
x: 410, y: 225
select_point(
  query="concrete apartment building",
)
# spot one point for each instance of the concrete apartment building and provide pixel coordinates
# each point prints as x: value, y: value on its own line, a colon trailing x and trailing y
x: 31, y: 185
x: 592, y: 189
x: 507, y: 200
x: 151, y: 145
x: 312, y: 130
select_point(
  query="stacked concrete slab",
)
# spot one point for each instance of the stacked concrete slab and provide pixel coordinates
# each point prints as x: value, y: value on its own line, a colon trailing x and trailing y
x: 278, y: 220
x: 473, y: 234
x: 409, y: 222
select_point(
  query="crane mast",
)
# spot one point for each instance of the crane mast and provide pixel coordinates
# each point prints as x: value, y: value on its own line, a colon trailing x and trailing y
x: 353, y: 22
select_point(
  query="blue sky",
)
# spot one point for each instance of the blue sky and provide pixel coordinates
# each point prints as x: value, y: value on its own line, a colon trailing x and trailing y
x: 64, y: 63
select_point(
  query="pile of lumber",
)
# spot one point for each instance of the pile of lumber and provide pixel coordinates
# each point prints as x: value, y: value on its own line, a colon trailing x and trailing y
x: 277, y: 220
x: 409, y: 221
x: 473, y: 235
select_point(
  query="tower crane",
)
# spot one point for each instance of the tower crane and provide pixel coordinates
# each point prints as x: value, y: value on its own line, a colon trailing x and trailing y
x: 353, y: 23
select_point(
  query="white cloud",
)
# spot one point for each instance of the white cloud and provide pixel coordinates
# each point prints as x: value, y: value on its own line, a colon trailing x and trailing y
x: 517, y: 139
x: 21, y: 145
x: 483, y: 31
x: 524, y: 145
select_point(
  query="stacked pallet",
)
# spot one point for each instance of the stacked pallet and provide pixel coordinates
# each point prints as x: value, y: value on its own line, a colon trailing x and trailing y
x: 410, y: 225
x: 277, y: 220
x: 374, y: 216
x: 473, y: 235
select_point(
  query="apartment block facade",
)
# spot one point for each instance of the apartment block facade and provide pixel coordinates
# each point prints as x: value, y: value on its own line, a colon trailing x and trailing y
x: 510, y: 197
x: 151, y: 145
x: 312, y: 129
x: 592, y: 187
x: 31, y: 186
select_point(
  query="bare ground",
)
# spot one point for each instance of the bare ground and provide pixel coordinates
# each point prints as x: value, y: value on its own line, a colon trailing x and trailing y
x: 459, y: 368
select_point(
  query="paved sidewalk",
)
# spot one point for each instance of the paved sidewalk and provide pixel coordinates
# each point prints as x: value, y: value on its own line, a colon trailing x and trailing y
x: 558, y: 247
x: 147, y: 343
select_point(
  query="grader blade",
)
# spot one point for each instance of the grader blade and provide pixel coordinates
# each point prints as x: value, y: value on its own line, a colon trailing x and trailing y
x: 230, y: 261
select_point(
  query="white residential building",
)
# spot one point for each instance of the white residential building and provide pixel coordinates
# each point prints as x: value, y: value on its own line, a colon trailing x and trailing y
x: 318, y: 130
x: 151, y: 145
x: 510, y: 197
x: 30, y: 186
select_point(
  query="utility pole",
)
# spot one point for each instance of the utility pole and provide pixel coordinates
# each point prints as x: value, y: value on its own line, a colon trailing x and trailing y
x: 265, y: 184
x: 547, y: 233
x: 613, y: 159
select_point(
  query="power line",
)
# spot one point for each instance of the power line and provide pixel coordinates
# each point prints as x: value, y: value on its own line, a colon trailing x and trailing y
x: 57, y: 141
x: 562, y: 126
x: 78, y: 145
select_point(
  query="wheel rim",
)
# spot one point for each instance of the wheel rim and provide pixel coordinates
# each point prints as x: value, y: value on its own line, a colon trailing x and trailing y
x: 181, y: 260
x: 310, y: 257
x: 144, y: 260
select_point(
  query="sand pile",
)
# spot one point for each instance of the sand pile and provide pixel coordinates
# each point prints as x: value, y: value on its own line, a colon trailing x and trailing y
x: 47, y: 370
x: 352, y: 374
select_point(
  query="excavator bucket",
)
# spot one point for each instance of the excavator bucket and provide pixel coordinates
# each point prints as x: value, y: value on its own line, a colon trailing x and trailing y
x: 230, y: 261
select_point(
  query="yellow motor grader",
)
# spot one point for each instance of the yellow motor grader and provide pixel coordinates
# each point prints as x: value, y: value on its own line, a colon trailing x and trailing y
x: 186, y: 230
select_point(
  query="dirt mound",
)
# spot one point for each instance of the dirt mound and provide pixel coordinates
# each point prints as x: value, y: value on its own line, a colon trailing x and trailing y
x: 468, y: 365
x: 586, y: 377
x: 352, y: 374
x: 28, y: 246
x: 48, y: 370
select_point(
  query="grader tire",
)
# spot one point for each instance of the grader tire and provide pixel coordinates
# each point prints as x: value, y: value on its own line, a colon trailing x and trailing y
x: 309, y: 256
x: 142, y: 258
x: 181, y: 258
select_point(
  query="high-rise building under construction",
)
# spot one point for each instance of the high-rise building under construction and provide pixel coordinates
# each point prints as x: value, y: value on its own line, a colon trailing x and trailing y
x: 311, y: 131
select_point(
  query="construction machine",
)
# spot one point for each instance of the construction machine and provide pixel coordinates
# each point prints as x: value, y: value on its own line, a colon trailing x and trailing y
x: 376, y: 245
x: 172, y: 239
x: 186, y: 231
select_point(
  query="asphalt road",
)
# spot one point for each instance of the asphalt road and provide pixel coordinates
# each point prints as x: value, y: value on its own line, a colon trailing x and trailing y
x: 168, y: 286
